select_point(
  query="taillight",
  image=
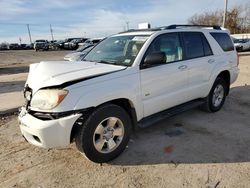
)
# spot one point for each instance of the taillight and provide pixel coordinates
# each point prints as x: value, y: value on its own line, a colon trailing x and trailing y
x: 238, y: 59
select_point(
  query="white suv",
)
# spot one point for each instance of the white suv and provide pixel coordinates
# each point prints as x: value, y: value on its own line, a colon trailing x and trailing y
x: 129, y: 80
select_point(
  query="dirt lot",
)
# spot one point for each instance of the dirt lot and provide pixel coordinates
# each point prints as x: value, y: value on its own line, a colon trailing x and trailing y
x: 25, y: 57
x: 193, y: 149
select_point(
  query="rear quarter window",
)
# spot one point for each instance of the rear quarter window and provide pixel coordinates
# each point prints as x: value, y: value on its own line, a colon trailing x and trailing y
x: 224, y: 40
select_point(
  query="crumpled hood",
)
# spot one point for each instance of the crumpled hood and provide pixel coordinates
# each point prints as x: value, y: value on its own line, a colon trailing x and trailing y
x: 54, y: 73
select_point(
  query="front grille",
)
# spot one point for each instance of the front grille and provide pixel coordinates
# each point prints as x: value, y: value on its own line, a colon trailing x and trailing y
x: 27, y: 93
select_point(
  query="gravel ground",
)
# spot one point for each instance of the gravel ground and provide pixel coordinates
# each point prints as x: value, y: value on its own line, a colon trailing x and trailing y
x: 193, y: 149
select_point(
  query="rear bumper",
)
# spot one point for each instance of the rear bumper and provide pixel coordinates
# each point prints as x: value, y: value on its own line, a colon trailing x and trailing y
x: 47, y: 133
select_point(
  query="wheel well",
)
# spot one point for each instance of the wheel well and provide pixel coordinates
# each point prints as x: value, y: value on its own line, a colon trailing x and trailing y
x: 124, y: 103
x: 129, y: 108
x: 226, y: 76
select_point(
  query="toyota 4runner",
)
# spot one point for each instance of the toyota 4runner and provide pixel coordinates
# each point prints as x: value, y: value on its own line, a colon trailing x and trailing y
x: 129, y: 80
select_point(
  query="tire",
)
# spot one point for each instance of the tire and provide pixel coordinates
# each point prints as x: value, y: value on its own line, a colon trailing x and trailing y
x: 97, y: 146
x: 212, y: 105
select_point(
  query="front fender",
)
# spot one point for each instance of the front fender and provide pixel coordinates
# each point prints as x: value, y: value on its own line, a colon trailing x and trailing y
x: 120, y: 88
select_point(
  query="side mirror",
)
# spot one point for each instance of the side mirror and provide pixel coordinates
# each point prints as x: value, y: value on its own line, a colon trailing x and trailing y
x: 154, y: 59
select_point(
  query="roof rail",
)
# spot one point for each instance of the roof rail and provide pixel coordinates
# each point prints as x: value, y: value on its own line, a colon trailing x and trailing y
x: 137, y: 30
x: 175, y: 26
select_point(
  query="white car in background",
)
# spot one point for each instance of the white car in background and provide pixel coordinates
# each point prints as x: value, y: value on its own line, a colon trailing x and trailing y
x: 242, y: 44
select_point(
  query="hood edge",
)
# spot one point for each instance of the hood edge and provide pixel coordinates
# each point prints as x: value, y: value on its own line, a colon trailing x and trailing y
x: 68, y: 83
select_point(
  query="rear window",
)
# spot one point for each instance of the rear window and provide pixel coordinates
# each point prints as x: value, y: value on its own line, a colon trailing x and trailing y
x: 224, y: 41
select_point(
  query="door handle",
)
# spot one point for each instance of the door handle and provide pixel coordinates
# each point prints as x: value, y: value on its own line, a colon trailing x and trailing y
x: 211, y: 61
x: 182, y: 67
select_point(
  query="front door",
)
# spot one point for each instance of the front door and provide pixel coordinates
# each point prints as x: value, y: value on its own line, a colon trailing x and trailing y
x: 165, y: 85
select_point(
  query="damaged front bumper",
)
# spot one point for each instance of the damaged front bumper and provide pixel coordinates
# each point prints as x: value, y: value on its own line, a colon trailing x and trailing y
x: 47, y: 133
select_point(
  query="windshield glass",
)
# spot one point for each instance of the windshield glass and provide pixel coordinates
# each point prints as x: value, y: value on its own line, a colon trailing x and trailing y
x: 119, y: 50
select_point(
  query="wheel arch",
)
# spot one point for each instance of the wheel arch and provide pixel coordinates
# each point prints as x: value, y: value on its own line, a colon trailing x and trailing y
x: 126, y: 104
x: 226, y: 76
x: 129, y: 107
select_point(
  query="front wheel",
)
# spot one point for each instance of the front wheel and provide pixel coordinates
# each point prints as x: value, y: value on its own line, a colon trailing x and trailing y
x: 217, y: 96
x: 105, y: 133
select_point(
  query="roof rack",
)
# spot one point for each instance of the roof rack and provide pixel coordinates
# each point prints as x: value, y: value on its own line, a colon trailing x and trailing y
x: 175, y: 26
x: 136, y: 30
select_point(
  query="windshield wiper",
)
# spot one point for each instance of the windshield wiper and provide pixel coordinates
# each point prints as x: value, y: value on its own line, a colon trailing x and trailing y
x: 104, y: 62
x: 88, y: 60
x: 112, y: 63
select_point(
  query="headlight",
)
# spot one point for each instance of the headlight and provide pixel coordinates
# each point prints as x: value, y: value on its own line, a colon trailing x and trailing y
x: 47, y: 99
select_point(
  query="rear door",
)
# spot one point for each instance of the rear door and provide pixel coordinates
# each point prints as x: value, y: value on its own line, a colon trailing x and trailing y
x: 200, y: 61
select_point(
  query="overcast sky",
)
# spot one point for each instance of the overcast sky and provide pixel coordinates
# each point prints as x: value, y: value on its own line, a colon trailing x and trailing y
x: 93, y: 18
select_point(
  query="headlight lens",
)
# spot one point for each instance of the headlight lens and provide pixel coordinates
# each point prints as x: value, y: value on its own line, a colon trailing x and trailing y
x: 47, y: 99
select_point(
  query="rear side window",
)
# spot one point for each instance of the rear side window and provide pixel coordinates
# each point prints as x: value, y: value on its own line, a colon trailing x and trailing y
x: 206, y: 46
x: 224, y: 41
x: 195, y: 45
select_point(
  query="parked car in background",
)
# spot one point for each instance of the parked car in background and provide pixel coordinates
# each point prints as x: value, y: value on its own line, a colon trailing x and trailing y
x: 66, y: 45
x: 73, y: 45
x: 53, y: 45
x: 26, y: 46
x: 93, y: 41
x: 241, y: 44
x: 41, y: 45
x: 63, y: 43
x: 14, y: 46
x: 79, y: 54
x: 59, y: 44
x: 4, y: 46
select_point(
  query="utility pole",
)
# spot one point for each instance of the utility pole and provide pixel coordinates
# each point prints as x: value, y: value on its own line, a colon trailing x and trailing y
x: 127, y: 23
x: 51, y: 31
x: 225, y: 13
x: 28, y: 27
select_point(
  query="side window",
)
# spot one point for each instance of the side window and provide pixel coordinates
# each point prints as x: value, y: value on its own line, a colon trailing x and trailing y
x: 206, y: 46
x: 224, y: 41
x: 169, y: 44
x: 193, y: 44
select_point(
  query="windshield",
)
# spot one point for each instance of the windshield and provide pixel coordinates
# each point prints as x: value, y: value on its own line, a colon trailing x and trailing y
x: 119, y: 50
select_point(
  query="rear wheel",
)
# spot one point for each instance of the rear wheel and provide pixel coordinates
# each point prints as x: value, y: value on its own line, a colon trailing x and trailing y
x: 105, y: 133
x: 216, y: 97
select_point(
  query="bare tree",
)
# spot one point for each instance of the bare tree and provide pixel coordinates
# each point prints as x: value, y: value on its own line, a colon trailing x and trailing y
x: 207, y: 18
x: 238, y: 19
